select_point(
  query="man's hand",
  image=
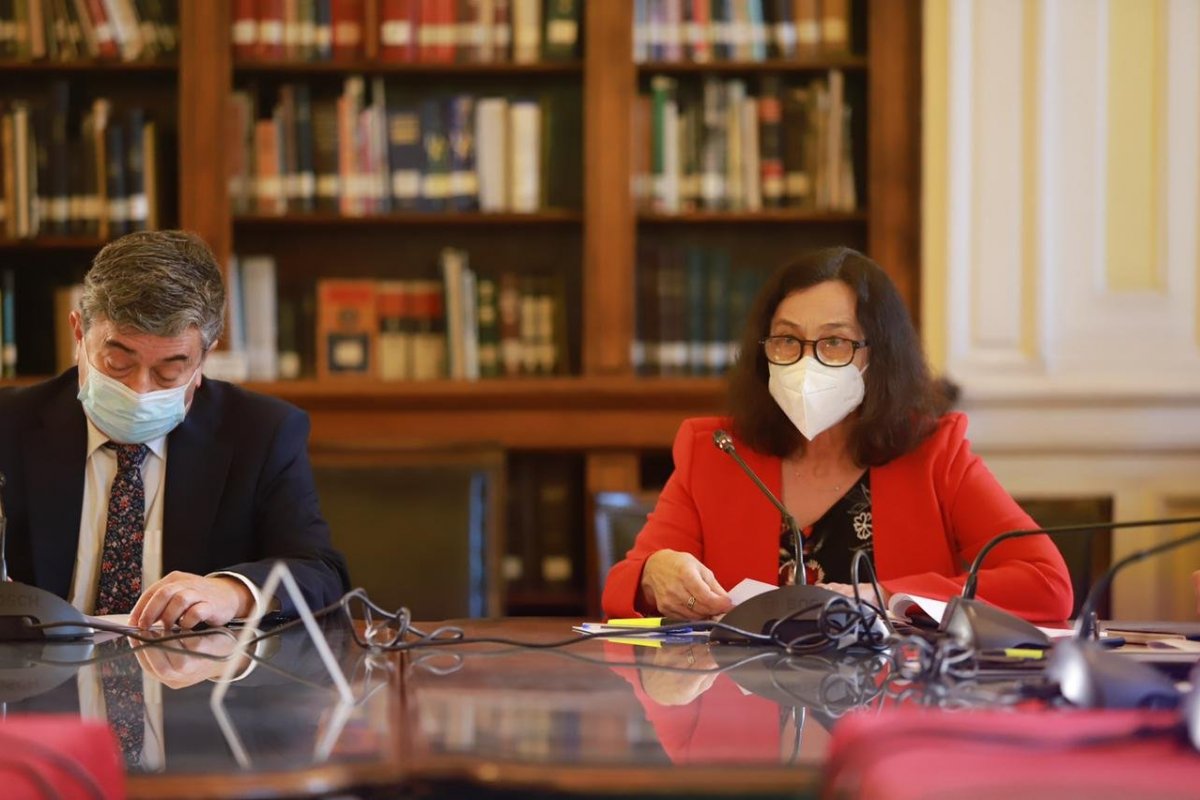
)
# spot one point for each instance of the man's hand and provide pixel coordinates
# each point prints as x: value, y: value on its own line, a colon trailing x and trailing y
x: 177, y: 670
x: 678, y: 585
x: 187, y: 600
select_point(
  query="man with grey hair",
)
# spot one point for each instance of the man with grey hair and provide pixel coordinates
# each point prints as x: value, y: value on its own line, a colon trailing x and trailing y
x: 137, y: 485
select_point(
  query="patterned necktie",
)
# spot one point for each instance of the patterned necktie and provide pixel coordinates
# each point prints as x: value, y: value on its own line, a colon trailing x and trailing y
x: 121, y: 564
x: 124, y: 699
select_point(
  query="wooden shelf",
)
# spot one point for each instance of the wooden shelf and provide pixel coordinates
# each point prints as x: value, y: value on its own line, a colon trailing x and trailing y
x: 90, y: 65
x: 53, y: 243
x: 818, y: 63
x: 380, y: 68
x: 567, y: 392
x: 324, y: 219
x: 769, y: 216
x: 540, y: 414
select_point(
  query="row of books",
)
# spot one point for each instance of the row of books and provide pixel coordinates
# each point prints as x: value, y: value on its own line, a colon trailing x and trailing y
x: 97, y: 179
x: 410, y: 31
x: 375, y: 149
x: 703, y: 31
x: 67, y: 30
x: 691, y: 306
x: 715, y: 147
x: 543, y: 549
x: 8, y: 324
x: 461, y: 326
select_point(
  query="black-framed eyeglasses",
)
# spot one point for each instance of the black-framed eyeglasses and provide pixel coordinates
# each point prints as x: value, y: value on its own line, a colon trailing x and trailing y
x: 832, y: 351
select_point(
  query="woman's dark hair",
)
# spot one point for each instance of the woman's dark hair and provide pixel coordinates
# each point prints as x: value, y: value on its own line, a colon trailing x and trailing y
x: 902, y: 403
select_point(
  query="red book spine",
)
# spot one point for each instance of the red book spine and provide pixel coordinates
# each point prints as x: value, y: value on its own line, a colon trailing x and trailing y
x: 270, y: 30
x: 106, y: 42
x: 348, y: 30
x: 428, y: 31
x: 398, y: 24
x: 447, y: 43
x: 245, y: 28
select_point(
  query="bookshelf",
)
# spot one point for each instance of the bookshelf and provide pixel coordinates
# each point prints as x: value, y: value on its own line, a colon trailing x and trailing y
x: 598, y: 410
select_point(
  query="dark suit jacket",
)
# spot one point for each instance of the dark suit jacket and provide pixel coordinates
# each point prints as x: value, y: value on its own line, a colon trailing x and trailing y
x: 239, y: 490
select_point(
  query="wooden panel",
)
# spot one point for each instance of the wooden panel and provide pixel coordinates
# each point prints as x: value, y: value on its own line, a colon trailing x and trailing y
x: 613, y: 472
x: 301, y: 68
x: 894, y: 143
x: 609, y: 87
x: 569, y: 429
x: 525, y: 414
x: 819, y: 63
x: 605, y: 472
x: 204, y: 81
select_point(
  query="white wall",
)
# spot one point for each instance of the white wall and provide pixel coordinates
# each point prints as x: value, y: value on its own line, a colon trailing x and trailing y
x: 1061, y: 203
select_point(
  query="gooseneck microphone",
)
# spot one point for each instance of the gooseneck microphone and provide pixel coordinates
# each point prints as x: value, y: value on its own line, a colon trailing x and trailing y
x: 790, y: 613
x: 983, y: 626
x: 724, y: 443
x: 1085, y: 626
x: 1090, y: 676
x: 968, y: 591
x: 23, y: 609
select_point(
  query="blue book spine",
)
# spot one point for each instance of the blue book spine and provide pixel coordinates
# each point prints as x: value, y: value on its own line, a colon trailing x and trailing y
x: 406, y: 155
x: 8, y: 325
x: 464, y: 180
x: 435, y: 176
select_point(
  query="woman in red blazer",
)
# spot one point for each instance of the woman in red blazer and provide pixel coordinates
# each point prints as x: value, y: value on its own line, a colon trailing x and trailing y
x: 834, y: 408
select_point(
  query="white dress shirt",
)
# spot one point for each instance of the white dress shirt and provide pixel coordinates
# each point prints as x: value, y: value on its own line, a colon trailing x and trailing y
x: 99, y: 473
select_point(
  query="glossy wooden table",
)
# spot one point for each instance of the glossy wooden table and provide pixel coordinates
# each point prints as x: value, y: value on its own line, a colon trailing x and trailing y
x: 599, y: 718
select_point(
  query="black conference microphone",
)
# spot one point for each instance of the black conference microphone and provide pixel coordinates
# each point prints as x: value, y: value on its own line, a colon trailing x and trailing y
x: 1091, y: 677
x: 800, y: 604
x: 23, y: 608
x: 974, y: 623
x: 724, y: 443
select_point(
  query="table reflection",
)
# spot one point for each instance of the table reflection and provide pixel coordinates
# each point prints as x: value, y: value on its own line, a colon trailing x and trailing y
x: 652, y: 703
x: 281, y: 714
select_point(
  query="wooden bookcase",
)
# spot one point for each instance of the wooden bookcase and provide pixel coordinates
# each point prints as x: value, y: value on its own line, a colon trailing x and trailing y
x: 602, y: 412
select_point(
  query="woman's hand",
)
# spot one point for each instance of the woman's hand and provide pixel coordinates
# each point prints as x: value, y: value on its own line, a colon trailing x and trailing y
x: 670, y: 681
x: 678, y: 585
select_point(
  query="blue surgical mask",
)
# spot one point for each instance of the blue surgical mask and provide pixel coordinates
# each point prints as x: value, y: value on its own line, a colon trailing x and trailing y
x: 128, y: 417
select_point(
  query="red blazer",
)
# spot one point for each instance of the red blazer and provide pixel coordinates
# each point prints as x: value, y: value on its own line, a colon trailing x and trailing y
x: 932, y: 510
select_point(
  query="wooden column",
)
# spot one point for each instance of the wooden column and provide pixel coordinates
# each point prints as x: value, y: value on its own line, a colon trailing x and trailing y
x: 205, y: 78
x: 894, y: 143
x: 610, y: 84
x: 605, y: 472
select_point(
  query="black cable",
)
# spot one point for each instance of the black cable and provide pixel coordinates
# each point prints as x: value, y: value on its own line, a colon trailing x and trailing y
x: 137, y: 634
x: 459, y: 661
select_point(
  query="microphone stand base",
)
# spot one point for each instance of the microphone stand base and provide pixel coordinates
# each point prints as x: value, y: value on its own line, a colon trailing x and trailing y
x: 23, y: 607
x: 761, y: 612
x: 974, y: 623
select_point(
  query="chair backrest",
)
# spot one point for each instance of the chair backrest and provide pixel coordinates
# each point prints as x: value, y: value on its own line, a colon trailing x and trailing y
x: 1087, y: 556
x: 619, y: 516
x: 419, y: 528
